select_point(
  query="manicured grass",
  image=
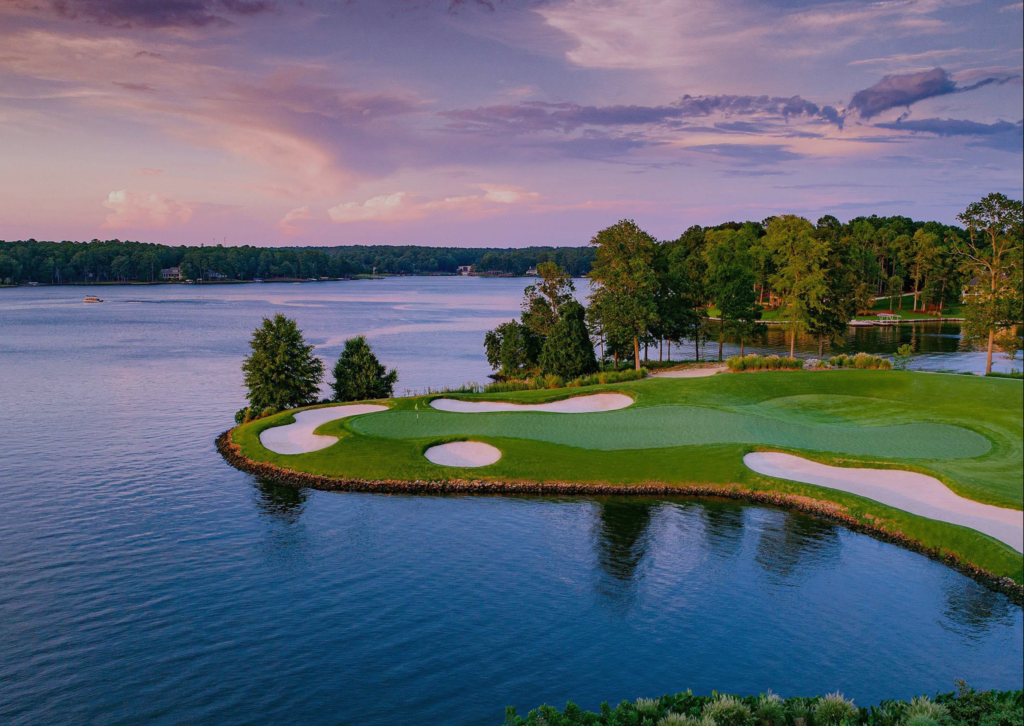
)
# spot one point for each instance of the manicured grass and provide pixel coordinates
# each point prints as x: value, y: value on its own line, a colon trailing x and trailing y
x: 968, y: 431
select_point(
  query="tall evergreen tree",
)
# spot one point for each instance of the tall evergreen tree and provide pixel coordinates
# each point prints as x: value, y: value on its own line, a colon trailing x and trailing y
x: 359, y: 376
x: 281, y: 372
x: 568, y: 352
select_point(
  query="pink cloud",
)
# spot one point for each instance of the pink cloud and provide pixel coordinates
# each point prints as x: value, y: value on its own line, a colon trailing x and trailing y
x: 292, y: 222
x: 144, y: 210
x: 401, y: 206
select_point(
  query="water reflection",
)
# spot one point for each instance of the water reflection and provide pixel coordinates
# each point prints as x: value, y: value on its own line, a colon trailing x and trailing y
x: 972, y: 610
x: 723, y: 527
x: 281, y: 507
x: 622, y: 538
x: 281, y: 502
x: 791, y: 546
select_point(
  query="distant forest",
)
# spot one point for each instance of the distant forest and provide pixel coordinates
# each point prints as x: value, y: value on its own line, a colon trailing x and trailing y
x: 125, y: 261
x: 889, y: 241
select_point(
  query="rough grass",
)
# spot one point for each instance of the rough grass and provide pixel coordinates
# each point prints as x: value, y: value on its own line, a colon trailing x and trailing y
x: 968, y: 431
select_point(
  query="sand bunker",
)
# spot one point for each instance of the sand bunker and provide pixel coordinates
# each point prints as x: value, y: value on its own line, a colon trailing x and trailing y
x: 594, y: 403
x: 298, y: 437
x: 463, y: 453
x: 906, y: 490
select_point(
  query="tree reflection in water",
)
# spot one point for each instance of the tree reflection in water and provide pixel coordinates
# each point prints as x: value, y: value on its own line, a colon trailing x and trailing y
x: 972, y: 610
x: 622, y: 535
x: 282, y: 507
x: 723, y: 527
x: 791, y: 546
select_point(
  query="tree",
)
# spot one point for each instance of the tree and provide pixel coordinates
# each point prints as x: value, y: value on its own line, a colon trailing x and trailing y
x: 680, y: 268
x: 359, y: 376
x: 627, y: 291
x: 991, y: 255
x: 543, y: 301
x: 281, y: 372
x: 799, y: 280
x: 924, y: 254
x: 732, y: 282
x: 511, y: 348
x: 568, y: 352
x: 846, y: 290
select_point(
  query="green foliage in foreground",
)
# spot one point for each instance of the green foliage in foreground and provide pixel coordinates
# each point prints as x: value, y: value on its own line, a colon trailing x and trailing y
x: 965, y: 430
x: 965, y: 707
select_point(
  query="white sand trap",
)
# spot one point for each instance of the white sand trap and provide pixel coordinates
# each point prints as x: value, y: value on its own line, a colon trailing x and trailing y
x: 463, y: 453
x: 689, y: 372
x: 298, y: 437
x: 594, y: 403
x: 906, y: 490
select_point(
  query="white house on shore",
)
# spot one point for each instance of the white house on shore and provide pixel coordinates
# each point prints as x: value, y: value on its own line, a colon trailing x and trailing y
x: 171, y: 273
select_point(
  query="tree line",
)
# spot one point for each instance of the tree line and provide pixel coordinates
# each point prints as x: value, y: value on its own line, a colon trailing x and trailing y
x: 716, y: 283
x: 127, y: 261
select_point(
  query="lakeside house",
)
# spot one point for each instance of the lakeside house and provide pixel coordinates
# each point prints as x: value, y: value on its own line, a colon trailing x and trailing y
x: 170, y: 273
x: 466, y: 269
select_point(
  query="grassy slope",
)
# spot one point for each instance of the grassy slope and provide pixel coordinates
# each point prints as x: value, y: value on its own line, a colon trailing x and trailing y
x: 814, y: 413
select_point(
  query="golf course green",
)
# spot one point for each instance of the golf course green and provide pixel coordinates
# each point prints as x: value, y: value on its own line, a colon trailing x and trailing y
x: 693, y: 433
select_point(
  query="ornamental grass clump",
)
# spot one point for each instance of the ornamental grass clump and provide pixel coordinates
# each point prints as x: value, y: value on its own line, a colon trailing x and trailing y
x: 770, y: 710
x: 728, y: 711
x: 755, y: 362
x: 648, y: 708
x: 864, y: 361
x: 833, y: 709
x: 923, y: 711
x: 680, y: 719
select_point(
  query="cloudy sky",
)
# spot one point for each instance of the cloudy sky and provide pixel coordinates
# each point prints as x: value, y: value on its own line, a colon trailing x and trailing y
x: 496, y: 122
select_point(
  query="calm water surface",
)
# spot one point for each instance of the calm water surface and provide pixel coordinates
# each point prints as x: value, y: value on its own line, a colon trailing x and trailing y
x: 142, y: 580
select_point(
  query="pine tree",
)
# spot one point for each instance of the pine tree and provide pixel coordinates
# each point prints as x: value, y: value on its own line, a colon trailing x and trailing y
x: 568, y: 351
x: 359, y: 376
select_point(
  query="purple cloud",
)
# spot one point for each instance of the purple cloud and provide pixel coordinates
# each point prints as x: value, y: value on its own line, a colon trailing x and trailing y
x: 904, y: 90
x: 161, y: 14
x: 1001, y: 135
x: 538, y: 116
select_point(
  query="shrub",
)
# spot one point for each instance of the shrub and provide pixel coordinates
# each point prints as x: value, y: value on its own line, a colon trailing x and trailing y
x: 860, y: 360
x: 241, y: 415
x: 902, y: 356
x: 814, y: 364
x: 920, y: 720
x: 648, y: 708
x: 755, y: 362
x: 924, y: 706
x: 770, y: 711
x: 966, y: 707
x: 833, y: 709
x: 728, y: 711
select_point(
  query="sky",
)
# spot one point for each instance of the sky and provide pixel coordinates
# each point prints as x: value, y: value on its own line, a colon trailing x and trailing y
x: 503, y: 123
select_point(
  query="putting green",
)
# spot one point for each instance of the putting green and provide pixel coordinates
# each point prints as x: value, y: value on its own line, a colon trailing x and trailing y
x: 662, y: 427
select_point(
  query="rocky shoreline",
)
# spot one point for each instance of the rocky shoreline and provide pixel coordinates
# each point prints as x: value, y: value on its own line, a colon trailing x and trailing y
x: 830, y: 511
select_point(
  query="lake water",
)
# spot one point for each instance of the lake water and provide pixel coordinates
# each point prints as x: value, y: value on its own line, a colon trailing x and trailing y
x: 143, y: 580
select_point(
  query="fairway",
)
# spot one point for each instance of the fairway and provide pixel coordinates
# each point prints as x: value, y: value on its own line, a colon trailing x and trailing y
x: 966, y: 431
